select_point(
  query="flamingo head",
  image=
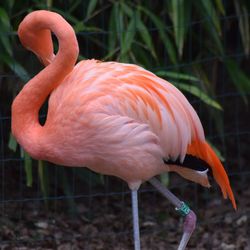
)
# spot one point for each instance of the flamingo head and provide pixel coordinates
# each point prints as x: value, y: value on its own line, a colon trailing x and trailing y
x: 37, y: 40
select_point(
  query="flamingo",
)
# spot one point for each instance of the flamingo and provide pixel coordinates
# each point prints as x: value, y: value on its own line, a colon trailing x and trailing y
x: 114, y: 118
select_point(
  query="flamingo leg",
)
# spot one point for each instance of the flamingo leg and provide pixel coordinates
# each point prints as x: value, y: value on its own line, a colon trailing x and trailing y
x: 136, y: 228
x: 182, y: 208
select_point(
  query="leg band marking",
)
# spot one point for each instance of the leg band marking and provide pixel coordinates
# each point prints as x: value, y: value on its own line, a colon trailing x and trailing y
x: 183, y: 210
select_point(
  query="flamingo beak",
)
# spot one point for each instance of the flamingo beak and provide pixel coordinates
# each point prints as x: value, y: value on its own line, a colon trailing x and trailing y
x: 45, y: 60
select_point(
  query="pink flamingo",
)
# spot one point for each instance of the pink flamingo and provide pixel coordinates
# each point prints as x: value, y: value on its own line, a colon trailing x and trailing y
x: 117, y: 119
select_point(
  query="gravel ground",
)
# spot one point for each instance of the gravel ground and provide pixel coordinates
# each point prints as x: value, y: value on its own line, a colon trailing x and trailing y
x: 104, y: 222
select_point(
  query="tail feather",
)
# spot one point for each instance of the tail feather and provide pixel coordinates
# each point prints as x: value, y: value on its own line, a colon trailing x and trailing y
x: 204, y: 151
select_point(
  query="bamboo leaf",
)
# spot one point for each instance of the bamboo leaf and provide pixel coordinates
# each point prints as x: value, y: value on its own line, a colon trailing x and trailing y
x: 201, y: 74
x: 212, y: 27
x: 144, y: 33
x: 74, y: 5
x: 44, y: 181
x: 164, y: 37
x: 5, y: 28
x: 118, y: 22
x: 207, y: 86
x: 220, y: 6
x: 239, y: 78
x: 112, y: 30
x: 211, y: 12
x: 4, y: 20
x: 129, y: 36
x: 66, y: 15
x: 177, y: 75
x: 49, y: 4
x: 6, y: 44
x: 110, y: 54
x: 10, y: 4
x: 127, y: 9
x: 242, y: 13
x: 12, y: 144
x: 16, y: 68
x: 194, y: 90
x: 180, y: 18
x: 141, y: 55
x: 28, y: 169
x: 91, y: 7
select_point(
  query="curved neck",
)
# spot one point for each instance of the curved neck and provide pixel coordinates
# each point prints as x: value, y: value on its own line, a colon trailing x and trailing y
x: 26, y: 106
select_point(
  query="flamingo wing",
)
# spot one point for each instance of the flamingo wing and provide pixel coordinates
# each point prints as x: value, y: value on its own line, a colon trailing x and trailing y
x: 129, y: 92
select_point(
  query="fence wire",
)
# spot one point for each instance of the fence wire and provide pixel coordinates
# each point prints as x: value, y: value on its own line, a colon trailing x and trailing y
x: 20, y: 204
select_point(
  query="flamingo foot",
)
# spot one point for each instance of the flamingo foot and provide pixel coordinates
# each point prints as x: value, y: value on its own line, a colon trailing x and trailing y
x: 188, y: 228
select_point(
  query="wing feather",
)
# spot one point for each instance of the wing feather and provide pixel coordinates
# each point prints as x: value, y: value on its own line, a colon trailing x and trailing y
x: 129, y: 90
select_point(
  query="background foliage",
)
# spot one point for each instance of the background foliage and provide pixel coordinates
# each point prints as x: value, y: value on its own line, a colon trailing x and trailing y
x: 176, y: 39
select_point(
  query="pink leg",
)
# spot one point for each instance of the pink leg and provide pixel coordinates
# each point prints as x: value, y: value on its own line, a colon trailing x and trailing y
x: 182, y: 208
x: 188, y: 228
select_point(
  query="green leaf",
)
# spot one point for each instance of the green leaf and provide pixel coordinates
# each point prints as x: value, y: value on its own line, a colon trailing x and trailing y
x: 177, y: 75
x: 127, y: 9
x: 239, y: 78
x: 220, y: 6
x: 118, y: 22
x: 66, y: 15
x: 180, y: 18
x: 129, y: 36
x: 110, y: 54
x: 74, y: 5
x: 208, y: 87
x: 112, y: 38
x: 165, y: 179
x: 16, y: 68
x: 145, y: 35
x: 141, y: 56
x: 202, y: 75
x: 243, y: 16
x: 12, y: 144
x: 211, y: 12
x: 6, y: 44
x: 10, y: 4
x: 5, y: 28
x: 49, y: 3
x: 194, y: 90
x: 119, y: 17
x: 164, y: 37
x: 44, y: 181
x: 28, y: 169
x: 4, y: 20
x: 213, y: 27
x: 91, y: 7
x: 78, y: 27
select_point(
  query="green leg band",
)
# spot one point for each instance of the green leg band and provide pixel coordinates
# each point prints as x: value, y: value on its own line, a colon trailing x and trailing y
x: 183, y: 210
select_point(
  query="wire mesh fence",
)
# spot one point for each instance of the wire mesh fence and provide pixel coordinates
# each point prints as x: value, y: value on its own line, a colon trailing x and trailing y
x: 92, y: 211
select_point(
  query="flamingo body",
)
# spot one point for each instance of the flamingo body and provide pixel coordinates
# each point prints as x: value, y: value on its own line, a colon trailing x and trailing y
x: 118, y: 126
x: 116, y: 119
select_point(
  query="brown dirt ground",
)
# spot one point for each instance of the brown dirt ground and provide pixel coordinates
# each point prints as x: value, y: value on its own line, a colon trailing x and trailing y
x: 104, y: 222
